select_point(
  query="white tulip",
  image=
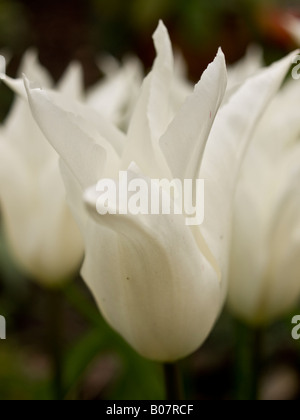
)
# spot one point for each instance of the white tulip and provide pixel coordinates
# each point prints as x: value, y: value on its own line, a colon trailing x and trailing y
x: 39, y: 227
x: 44, y: 240
x: 240, y: 71
x: 265, y: 266
x: 159, y: 283
x: 115, y: 96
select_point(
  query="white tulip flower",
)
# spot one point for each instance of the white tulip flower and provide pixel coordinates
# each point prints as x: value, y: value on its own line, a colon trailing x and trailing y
x: 158, y: 282
x: 240, y: 71
x: 114, y: 97
x: 39, y: 227
x: 265, y: 263
x: 47, y: 246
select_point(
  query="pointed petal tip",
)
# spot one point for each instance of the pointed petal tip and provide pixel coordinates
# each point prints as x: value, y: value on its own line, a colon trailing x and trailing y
x: 163, y: 44
x: 161, y: 26
x: 74, y: 70
x: 75, y: 66
x: 31, y: 56
x: 160, y: 31
x: 221, y: 56
x: 219, y: 64
x: 220, y: 52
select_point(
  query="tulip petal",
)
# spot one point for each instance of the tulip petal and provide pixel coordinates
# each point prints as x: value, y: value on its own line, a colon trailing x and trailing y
x: 249, y: 257
x: 74, y: 196
x: 153, y: 272
x: 73, y: 136
x: 225, y: 149
x: 152, y: 113
x: 16, y: 187
x: 184, y: 142
x: 39, y: 228
x: 158, y: 111
x: 24, y: 136
x: 19, y: 128
x: 270, y: 253
x: 263, y: 191
x: 284, y: 263
x: 115, y: 96
x: 59, y: 237
x: 247, y: 67
x: 14, y: 176
x: 71, y: 84
x: 32, y: 68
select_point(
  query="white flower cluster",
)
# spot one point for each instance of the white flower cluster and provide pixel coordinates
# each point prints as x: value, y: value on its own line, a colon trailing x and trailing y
x: 159, y: 282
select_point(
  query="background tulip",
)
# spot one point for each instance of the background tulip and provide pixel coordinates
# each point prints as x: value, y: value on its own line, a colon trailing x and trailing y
x: 114, y: 97
x: 264, y: 276
x: 250, y: 64
x: 159, y: 283
x: 39, y: 228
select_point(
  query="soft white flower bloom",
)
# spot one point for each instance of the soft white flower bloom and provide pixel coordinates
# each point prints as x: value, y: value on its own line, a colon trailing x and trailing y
x: 265, y: 266
x: 43, y: 238
x: 238, y: 72
x: 114, y: 97
x: 158, y: 282
x: 39, y: 227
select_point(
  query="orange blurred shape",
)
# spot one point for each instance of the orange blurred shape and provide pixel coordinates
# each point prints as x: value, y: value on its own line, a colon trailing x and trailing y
x: 272, y: 23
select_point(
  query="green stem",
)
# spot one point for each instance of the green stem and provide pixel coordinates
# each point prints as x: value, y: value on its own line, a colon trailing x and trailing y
x: 55, y: 338
x: 173, y: 382
x: 248, y: 361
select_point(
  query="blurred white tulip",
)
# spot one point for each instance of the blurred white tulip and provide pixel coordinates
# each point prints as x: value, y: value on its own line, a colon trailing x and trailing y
x: 50, y: 251
x: 115, y: 96
x: 265, y: 263
x: 248, y: 66
x: 159, y: 283
x: 40, y: 230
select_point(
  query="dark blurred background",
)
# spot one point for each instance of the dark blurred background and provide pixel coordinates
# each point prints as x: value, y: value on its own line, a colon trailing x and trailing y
x: 101, y: 365
x: 83, y: 29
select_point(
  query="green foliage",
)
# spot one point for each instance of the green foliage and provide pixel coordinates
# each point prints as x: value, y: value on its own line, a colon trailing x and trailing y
x: 13, y: 24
